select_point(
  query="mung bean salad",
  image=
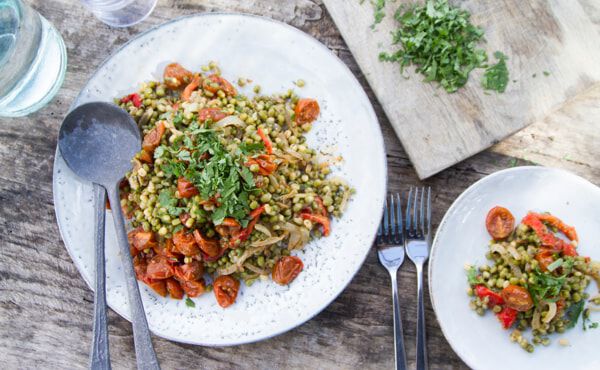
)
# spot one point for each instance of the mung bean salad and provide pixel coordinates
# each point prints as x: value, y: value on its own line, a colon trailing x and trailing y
x: 225, y: 188
x: 537, y: 279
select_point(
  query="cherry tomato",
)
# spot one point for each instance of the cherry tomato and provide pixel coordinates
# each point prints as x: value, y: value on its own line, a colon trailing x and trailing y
x: 176, y: 76
x: 189, y: 271
x: 193, y: 85
x: 145, y: 156
x: 139, y: 266
x: 544, y: 257
x: 152, y: 138
x: 213, y: 114
x: 494, y: 299
x: 214, y: 83
x: 319, y: 219
x: 140, y: 239
x: 307, y: 110
x: 185, y: 188
x: 265, y: 163
x: 507, y: 317
x: 209, y: 246
x: 517, y: 298
x: 499, y: 222
x: 286, y: 269
x: 159, y: 268
x: 229, y: 228
x: 185, y: 243
x: 158, y: 286
x: 193, y: 288
x: 174, y: 288
x: 226, y: 290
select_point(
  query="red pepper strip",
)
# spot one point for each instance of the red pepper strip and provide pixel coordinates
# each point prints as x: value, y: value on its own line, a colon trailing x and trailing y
x: 320, y: 219
x: 507, y: 317
x: 134, y: 98
x: 245, y: 233
x: 569, y: 231
x: 265, y: 140
x: 548, y: 239
x: 494, y: 299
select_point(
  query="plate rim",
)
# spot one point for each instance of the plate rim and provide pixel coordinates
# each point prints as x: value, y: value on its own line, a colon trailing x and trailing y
x: 467, y: 191
x: 370, y: 108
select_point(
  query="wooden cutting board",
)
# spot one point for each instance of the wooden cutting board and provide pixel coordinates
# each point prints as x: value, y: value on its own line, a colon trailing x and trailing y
x: 437, y: 129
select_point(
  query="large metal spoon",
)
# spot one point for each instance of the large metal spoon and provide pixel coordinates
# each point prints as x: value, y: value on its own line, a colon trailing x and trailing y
x: 97, y: 141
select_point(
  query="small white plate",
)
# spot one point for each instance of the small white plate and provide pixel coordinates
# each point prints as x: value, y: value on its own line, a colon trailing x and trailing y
x: 274, y: 55
x: 462, y: 238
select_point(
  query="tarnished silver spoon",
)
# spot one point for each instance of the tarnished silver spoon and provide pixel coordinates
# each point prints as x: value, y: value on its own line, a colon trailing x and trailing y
x: 97, y: 141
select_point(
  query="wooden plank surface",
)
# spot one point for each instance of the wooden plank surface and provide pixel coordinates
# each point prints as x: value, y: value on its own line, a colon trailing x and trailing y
x: 46, y: 308
x: 438, y: 129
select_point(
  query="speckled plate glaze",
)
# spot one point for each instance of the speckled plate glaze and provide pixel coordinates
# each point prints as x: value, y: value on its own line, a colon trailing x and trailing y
x: 274, y: 55
x: 462, y: 238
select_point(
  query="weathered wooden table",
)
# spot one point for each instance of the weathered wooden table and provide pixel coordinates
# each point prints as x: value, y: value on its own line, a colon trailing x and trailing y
x: 46, y: 308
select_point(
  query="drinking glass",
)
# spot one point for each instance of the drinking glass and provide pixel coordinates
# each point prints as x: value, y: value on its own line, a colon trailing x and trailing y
x: 120, y: 13
x: 33, y: 59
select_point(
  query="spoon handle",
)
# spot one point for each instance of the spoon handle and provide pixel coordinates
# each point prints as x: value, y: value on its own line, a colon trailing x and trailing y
x: 100, y: 358
x: 144, y: 351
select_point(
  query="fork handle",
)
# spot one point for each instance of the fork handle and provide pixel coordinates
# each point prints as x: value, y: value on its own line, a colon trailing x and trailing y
x: 421, y: 340
x: 399, y: 352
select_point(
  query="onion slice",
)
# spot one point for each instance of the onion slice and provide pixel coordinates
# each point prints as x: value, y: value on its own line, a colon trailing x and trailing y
x: 552, y: 309
x: 229, y: 121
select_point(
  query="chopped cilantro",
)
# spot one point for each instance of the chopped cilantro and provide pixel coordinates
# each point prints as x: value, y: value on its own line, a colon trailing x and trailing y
x: 378, y: 14
x: 546, y: 287
x: 251, y: 148
x: 546, y: 73
x: 473, y: 276
x: 573, y: 313
x: 167, y: 200
x: 495, y: 77
x: 189, y: 302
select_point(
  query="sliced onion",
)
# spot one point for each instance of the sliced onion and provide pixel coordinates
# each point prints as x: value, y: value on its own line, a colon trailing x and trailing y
x: 595, y: 309
x: 273, y: 180
x: 269, y: 241
x: 294, y: 154
x: 513, y: 251
x: 228, y: 270
x: 299, y: 236
x: 344, y: 201
x: 255, y: 269
x: 263, y: 229
x: 535, y: 320
x: 497, y: 248
x: 232, y: 120
x: 551, y: 312
x: 516, y: 270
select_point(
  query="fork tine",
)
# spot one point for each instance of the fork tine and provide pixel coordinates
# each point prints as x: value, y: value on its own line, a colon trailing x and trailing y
x: 386, y: 221
x: 393, y: 223
x: 415, y: 214
x: 399, y: 236
x: 380, y: 231
x: 408, y: 225
x: 429, y: 210
x: 422, y: 211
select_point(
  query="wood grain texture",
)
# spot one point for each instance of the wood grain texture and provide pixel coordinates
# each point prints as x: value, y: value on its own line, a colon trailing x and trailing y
x: 46, y: 308
x: 438, y: 129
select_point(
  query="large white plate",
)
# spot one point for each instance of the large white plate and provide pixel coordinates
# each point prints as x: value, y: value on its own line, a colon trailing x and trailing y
x: 274, y: 55
x: 462, y: 238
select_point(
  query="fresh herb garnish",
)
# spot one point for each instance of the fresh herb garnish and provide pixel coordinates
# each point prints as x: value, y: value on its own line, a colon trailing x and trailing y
x: 554, y: 265
x: 573, y: 313
x: 378, y: 12
x: 167, y: 200
x: 546, y: 73
x: 440, y: 40
x: 495, y: 77
x: 221, y: 175
x: 473, y: 276
x: 248, y: 149
x: 189, y: 302
x: 545, y: 287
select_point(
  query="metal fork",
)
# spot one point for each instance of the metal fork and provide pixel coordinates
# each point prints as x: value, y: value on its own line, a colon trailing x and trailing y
x: 390, y: 250
x: 417, y: 242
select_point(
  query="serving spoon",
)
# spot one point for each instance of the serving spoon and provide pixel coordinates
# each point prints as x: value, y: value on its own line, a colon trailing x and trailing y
x: 97, y: 141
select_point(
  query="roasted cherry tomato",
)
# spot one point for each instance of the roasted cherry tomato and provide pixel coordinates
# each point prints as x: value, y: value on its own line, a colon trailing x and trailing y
x: 213, y: 114
x: 185, y: 243
x: 507, y: 317
x: 140, y: 239
x: 146, y: 157
x: 176, y: 76
x: 152, y: 138
x: 159, y: 268
x: 499, y: 222
x: 185, y: 188
x: 265, y: 163
x: 189, y: 271
x: 193, y: 85
x: 322, y: 220
x: 209, y: 246
x: 174, y: 288
x: 494, y: 299
x: 159, y: 286
x: 214, y: 83
x: 307, y: 110
x: 544, y: 257
x: 193, y: 288
x: 226, y: 290
x: 286, y: 269
x: 139, y: 266
x: 517, y: 298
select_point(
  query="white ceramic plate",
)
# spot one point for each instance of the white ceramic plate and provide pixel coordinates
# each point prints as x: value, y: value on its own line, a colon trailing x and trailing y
x: 274, y: 55
x: 462, y: 238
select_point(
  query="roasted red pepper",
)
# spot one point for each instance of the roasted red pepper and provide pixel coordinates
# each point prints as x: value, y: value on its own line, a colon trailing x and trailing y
x: 266, y: 141
x: 507, y: 317
x: 494, y: 299
x: 134, y: 98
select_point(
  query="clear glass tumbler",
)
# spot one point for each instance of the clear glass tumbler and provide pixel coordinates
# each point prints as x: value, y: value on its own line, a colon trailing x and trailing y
x: 33, y: 59
x: 120, y: 13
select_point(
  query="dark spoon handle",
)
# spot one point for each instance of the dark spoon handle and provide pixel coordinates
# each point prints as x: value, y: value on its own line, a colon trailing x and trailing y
x: 100, y: 358
x: 144, y: 351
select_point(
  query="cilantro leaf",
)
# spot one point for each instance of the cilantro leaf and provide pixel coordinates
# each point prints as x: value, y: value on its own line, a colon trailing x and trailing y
x: 496, y: 77
x: 573, y: 313
x: 189, y: 302
x: 248, y: 149
x: 546, y: 287
x: 473, y: 276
